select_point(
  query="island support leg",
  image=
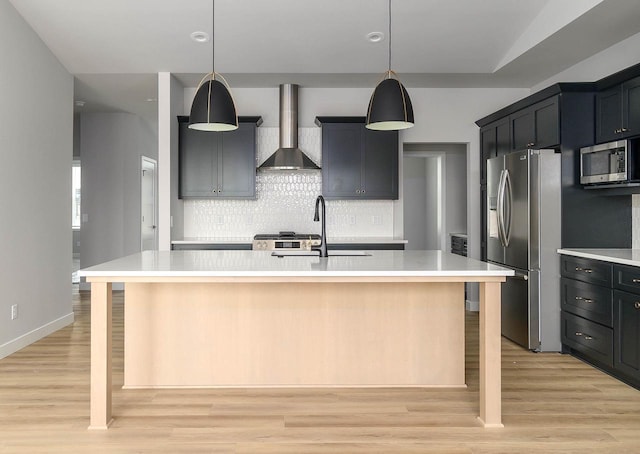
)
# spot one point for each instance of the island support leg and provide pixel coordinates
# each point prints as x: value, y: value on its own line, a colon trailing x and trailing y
x: 100, y: 355
x: 490, y: 355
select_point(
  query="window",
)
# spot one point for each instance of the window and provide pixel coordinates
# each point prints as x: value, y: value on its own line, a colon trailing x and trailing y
x: 75, y: 195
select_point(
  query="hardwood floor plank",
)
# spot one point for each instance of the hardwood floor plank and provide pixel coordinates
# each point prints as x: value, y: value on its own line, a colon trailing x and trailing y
x: 552, y: 403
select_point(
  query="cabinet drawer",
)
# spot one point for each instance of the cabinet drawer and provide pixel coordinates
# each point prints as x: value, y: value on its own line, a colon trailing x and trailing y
x: 626, y: 278
x: 589, y: 301
x: 586, y: 270
x: 589, y: 338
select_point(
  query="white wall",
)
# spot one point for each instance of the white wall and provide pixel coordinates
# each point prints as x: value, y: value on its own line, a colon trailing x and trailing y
x: 414, y: 186
x: 433, y: 203
x: 170, y: 208
x: 36, y: 131
x: 456, y: 191
x: 111, y: 148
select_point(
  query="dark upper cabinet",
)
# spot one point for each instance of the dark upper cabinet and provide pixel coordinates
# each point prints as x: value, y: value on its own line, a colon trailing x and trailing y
x: 537, y: 126
x: 608, y: 114
x: 631, y: 107
x: 218, y: 164
x: 358, y: 163
x: 380, y: 164
x: 618, y: 111
x: 494, y: 141
x: 237, y: 162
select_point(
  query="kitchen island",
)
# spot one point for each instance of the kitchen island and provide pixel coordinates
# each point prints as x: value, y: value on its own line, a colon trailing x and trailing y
x: 248, y: 319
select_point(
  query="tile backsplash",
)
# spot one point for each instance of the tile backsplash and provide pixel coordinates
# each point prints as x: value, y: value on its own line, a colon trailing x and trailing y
x: 285, y: 200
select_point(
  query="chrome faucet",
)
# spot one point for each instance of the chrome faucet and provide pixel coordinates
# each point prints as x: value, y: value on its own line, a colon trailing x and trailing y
x: 322, y: 248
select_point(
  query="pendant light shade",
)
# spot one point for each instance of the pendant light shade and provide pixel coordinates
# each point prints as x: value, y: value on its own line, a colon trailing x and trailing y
x: 213, y: 108
x: 390, y: 107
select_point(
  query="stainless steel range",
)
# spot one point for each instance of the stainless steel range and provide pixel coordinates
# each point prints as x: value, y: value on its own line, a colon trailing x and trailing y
x: 285, y: 240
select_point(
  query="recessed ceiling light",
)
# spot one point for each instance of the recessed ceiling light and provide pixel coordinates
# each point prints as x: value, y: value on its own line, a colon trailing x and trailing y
x: 375, y: 37
x: 200, y: 37
x: 79, y: 103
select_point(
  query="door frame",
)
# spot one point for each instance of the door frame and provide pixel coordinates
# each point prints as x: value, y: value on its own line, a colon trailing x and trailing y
x: 146, y: 160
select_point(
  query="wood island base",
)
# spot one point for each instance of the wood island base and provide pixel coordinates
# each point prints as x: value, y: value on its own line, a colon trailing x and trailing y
x: 294, y: 334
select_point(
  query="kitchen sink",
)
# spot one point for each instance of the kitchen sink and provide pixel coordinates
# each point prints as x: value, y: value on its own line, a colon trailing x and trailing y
x: 316, y: 254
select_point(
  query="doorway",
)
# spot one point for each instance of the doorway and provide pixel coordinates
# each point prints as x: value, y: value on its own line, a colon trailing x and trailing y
x: 434, y: 194
x: 148, y: 197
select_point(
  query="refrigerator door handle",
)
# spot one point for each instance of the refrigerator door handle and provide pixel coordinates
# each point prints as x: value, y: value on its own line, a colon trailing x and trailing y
x: 509, y: 212
x: 500, y: 209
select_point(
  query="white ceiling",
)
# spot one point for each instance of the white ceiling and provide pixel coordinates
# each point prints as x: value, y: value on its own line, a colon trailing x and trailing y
x: 116, y: 48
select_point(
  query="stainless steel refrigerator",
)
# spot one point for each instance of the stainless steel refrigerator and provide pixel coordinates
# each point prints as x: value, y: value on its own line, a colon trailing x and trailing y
x: 523, y: 233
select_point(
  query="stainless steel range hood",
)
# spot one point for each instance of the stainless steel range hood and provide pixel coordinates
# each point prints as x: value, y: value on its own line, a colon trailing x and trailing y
x: 288, y: 156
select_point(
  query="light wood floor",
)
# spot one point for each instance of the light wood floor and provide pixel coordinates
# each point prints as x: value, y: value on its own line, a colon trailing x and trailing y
x: 551, y: 403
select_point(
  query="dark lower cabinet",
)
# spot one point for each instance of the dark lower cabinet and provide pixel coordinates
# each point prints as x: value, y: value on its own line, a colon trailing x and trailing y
x: 358, y: 163
x: 626, y: 310
x: 591, y: 339
x: 601, y: 315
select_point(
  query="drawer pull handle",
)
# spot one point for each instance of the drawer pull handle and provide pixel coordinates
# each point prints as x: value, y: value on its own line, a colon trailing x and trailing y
x: 578, y: 333
x: 586, y: 270
x: 635, y: 281
x: 586, y: 336
x: 586, y: 300
x: 637, y: 305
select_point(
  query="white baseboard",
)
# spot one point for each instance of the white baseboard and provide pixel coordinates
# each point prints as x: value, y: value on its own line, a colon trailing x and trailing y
x: 473, y: 306
x: 35, y: 335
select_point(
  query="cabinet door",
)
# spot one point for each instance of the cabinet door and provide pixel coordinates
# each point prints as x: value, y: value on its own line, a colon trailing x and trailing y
x: 494, y: 141
x: 522, y: 129
x: 198, y: 162
x: 341, y: 160
x: 608, y: 114
x: 503, y: 139
x: 380, y: 165
x: 537, y: 126
x: 237, y: 162
x: 631, y: 107
x: 626, y: 326
x: 547, y: 123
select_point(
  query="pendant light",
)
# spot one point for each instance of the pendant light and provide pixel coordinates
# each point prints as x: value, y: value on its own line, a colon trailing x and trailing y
x: 390, y: 106
x: 213, y: 108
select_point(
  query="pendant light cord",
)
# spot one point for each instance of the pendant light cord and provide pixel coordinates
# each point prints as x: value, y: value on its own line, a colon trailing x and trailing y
x: 213, y: 38
x: 389, y: 36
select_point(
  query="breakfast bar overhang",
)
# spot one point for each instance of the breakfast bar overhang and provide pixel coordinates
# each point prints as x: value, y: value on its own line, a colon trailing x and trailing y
x: 248, y: 319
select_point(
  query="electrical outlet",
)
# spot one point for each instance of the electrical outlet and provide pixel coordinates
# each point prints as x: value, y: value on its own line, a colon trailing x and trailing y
x: 14, y: 312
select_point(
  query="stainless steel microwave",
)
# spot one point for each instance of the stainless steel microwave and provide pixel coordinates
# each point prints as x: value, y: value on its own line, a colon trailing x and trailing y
x: 613, y: 162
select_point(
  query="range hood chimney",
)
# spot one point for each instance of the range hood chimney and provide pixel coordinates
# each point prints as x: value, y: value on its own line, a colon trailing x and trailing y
x: 288, y: 156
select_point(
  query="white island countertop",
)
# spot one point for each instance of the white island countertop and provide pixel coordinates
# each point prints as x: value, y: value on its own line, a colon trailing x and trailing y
x: 621, y: 256
x: 263, y: 264
x: 330, y: 240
